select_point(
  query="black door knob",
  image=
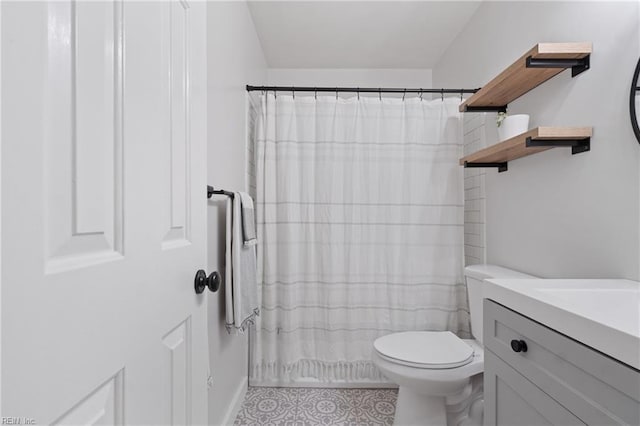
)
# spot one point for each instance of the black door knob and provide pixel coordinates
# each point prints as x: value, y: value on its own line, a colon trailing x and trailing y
x: 202, y: 280
x: 519, y: 345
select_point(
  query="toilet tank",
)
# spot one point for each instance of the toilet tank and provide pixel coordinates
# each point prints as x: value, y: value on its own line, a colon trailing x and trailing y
x: 474, y: 275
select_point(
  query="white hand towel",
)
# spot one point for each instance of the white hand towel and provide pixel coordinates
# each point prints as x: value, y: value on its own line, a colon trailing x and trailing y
x: 248, y: 220
x: 241, y: 286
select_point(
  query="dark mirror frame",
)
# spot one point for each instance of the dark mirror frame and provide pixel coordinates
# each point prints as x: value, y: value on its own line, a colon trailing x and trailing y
x: 635, y: 88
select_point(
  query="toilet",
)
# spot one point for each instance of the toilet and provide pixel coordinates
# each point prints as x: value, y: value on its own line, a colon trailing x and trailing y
x: 437, y: 372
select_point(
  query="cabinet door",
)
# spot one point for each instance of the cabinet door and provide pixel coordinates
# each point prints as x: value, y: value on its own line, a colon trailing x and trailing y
x: 512, y: 400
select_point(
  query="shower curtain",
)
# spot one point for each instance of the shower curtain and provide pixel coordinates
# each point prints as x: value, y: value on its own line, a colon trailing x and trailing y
x: 360, y: 229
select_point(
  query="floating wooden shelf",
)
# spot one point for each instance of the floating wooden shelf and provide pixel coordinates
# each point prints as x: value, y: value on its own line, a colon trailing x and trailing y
x: 534, y: 141
x: 539, y: 64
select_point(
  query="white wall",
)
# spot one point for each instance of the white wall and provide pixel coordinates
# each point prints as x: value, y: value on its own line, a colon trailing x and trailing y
x: 404, y: 78
x: 235, y: 58
x: 554, y: 214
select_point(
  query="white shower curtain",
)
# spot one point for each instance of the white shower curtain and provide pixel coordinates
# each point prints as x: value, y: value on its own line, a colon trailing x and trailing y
x: 360, y: 230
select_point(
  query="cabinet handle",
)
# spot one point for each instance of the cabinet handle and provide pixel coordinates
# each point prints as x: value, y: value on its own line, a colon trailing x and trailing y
x: 519, y: 345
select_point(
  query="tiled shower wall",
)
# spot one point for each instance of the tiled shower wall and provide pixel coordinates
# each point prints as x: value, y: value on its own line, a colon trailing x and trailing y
x: 474, y: 190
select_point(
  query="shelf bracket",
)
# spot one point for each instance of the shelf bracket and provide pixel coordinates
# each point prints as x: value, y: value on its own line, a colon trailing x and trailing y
x: 502, y: 108
x: 502, y: 167
x: 577, y: 66
x: 577, y: 145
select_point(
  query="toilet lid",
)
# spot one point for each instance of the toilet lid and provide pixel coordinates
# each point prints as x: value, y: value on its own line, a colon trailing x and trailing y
x: 425, y: 349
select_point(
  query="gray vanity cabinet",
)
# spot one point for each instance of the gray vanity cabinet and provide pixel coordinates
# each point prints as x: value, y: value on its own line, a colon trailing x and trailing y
x: 515, y: 401
x: 537, y: 376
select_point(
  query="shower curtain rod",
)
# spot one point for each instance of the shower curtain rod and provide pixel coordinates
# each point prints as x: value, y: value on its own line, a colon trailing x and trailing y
x: 354, y: 89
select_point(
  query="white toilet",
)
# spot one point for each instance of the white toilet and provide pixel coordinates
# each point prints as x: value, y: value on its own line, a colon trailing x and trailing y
x: 437, y: 369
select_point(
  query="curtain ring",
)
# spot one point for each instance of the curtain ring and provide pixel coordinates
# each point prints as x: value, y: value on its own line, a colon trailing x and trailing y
x: 421, y: 94
x: 275, y: 94
x: 336, y: 93
x: 461, y: 93
x: 404, y: 94
x: 442, y: 95
x: 315, y: 93
x: 293, y: 92
x: 358, y: 91
x: 380, y: 93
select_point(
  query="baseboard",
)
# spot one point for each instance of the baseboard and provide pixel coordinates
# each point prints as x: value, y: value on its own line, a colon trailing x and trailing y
x: 236, y: 403
x: 314, y: 383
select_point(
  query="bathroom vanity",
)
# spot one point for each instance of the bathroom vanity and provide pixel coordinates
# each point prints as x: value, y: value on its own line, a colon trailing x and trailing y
x: 562, y: 352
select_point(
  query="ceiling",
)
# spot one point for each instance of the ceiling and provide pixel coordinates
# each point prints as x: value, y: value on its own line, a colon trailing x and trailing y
x: 358, y: 34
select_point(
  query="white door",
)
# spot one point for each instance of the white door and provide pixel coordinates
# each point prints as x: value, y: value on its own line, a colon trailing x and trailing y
x: 103, y: 212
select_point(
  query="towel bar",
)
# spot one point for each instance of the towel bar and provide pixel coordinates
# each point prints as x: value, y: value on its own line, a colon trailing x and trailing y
x: 211, y: 191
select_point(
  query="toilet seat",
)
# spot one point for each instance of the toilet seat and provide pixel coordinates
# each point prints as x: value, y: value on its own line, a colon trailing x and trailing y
x: 424, y: 349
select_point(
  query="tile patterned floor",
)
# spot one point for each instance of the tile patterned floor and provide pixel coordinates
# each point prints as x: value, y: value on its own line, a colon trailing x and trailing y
x: 316, y: 406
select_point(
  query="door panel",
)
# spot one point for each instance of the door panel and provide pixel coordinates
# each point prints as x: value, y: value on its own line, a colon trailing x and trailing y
x: 83, y: 146
x: 104, y: 406
x: 177, y: 385
x: 177, y: 22
x: 103, y: 212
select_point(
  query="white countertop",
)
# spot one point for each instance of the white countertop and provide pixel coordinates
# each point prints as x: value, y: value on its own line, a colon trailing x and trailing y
x: 601, y: 313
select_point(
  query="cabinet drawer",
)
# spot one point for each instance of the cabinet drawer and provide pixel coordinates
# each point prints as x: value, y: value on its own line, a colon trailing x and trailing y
x: 512, y: 400
x: 597, y: 389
